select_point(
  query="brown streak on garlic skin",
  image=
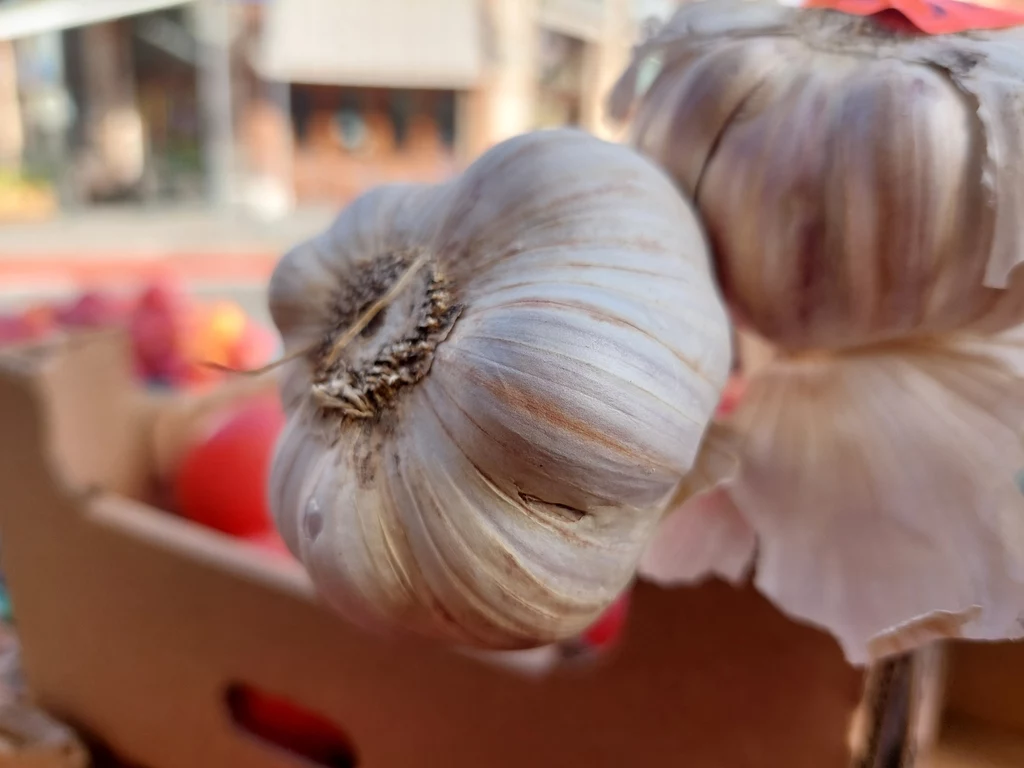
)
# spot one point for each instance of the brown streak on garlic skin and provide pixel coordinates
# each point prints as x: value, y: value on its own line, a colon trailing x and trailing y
x: 552, y: 413
x: 560, y: 511
x: 365, y: 391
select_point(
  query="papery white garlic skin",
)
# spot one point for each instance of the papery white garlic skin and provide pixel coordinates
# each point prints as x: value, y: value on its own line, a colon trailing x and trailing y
x: 857, y: 185
x: 883, y: 492
x: 573, y: 347
x: 706, y: 536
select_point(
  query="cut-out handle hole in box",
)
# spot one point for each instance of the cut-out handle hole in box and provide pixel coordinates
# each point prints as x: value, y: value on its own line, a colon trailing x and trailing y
x: 282, y: 723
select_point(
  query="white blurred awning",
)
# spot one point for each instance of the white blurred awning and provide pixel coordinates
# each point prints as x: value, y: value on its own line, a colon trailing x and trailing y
x: 25, y: 18
x: 384, y: 43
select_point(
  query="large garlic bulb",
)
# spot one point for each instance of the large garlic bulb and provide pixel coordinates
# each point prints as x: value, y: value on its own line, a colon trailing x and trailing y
x: 488, y: 458
x: 881, y: 495
x: 858, y: 184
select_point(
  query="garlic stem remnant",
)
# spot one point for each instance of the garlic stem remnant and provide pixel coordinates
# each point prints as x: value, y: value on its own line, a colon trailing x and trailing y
x: 484, y: 460
x: 365, y: 392
x: 858, y: 184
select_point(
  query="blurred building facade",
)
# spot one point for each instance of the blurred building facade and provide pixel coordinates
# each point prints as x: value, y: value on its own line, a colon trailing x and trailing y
x: 268, y: 104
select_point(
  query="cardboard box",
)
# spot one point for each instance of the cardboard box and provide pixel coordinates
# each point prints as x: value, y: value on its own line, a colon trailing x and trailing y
x: 982, y: 710
x: 137, y: 625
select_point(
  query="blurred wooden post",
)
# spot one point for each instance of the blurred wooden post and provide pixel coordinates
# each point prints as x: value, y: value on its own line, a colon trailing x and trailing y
x: 115, y: 155
x: 897, y: 722
x: 604, y: 60
x: 470, y: 125
x: 264, y: 131
x: 503, y: 104
x: 885, y: 716
x: 213, y: 26
x: 11, y: 137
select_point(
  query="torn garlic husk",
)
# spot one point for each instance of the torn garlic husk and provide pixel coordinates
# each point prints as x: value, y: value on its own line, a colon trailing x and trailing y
x: 486, y: 460
x: 883, y: 491
x: 706, y: 536
x: 858, y: 184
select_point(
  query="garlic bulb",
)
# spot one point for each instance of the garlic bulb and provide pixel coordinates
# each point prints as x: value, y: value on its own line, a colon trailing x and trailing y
x: 884, y: 493
x: 857, y: 184
x: 487, y: 459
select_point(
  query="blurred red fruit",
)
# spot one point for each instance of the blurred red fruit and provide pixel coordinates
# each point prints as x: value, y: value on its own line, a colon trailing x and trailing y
x: 607, y: 629
x: 159, y: 330
x: 198, y: 375
x: 222, y: 334
x: 214, y: 330
x: 39, y: 321
x: 270, y: 541
x: 92, y: 310
x: 222, y: 481
x: 254, y: 349
x: 14, y: 329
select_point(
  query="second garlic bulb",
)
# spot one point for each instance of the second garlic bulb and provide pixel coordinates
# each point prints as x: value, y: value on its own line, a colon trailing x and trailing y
x: 487, y: 460
x: 858, y: 184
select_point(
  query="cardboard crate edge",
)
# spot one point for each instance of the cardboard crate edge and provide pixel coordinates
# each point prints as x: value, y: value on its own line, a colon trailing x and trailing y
x: 132, y: 635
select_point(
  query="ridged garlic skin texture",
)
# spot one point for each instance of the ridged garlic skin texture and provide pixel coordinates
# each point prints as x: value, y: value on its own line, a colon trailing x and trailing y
x: 857, y: 185
x: 487, y: 460
x: 879, y: 496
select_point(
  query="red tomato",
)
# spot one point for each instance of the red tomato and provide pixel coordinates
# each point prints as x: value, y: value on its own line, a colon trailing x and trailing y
x: 270, y: 541
x: 255, y: 348
x: 607, y: 629
x: 222, y: 481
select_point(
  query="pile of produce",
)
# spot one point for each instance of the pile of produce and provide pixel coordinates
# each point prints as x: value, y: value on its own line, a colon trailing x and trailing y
x: 212, y: 444
x: 175, y: 338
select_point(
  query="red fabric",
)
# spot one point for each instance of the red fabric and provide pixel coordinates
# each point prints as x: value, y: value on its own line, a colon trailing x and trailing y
x: 936, y: 17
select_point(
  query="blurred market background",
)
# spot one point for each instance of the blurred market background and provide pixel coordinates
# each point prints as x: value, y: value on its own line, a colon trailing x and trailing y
x: 141, y: 139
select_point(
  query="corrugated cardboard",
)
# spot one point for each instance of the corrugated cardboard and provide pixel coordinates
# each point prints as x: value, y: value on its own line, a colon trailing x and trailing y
x: 983, y: 713
x: 134, y: 624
